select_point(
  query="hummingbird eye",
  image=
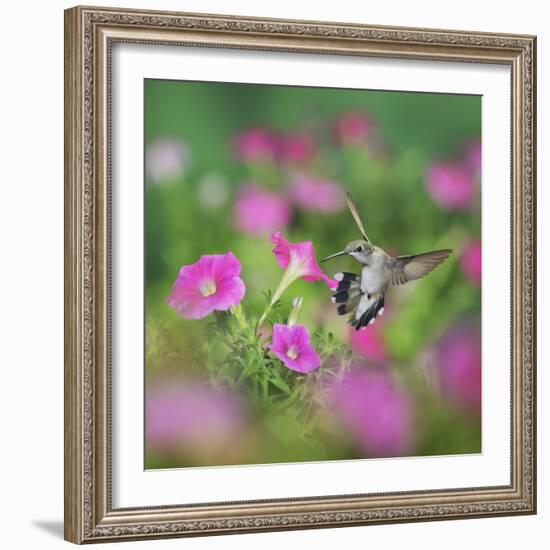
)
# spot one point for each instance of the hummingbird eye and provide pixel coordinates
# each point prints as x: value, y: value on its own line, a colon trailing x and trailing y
x: 359, y: 249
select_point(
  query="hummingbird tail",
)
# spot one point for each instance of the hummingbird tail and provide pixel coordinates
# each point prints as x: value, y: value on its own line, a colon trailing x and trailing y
x: 370, y: 306
x: 364, y: 308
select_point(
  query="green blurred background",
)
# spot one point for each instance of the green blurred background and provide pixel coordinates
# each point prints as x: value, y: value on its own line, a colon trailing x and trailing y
x: 190, y: 212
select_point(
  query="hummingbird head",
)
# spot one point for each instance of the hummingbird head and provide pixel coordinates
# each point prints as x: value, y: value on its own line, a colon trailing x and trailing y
x: 359, y: 250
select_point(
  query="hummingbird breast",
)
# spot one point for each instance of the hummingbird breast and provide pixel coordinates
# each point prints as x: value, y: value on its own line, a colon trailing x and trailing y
x: 375, y: 275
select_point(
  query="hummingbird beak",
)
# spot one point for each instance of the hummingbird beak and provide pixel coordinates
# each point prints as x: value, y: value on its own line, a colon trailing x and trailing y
x: 342, y: 253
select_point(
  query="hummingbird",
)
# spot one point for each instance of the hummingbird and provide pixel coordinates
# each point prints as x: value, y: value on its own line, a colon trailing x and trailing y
x: 362, y: 295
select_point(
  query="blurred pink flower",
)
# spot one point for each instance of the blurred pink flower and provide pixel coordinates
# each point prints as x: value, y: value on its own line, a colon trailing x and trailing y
x: 376, y: 411
x: 315, y: 194
x: 369, y: 342
x: 256, y: 144
x: 458, y: 365
x: 191, y: 414
x: 470, y: 262
x: 297, y: 148
x: 212, y: 283
x: 258, y: 211
x: 292, y: 345
x: 166, y: 159
x: 451, y: 186
x: 353, y: 127
x: 472, y: 157
x: 299, y: 260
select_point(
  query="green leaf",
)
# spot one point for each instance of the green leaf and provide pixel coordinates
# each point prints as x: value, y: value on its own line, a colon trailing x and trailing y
x: 280, y: 383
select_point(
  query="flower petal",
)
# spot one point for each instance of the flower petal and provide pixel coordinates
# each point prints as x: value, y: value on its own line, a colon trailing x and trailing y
x: 281, y: 250
x: 300, y: 336
x: 280, y: 339
x: 458, y: 365
x: 354, y: 127
x: 220, y: 272
x: 296, y: 336
x: 256, y: 144
x: 301, y: 259
x: 315, y: 194
x: 297, y: 148
x: 229, y: 294
x: 451, y: 186
x: 306, y: 361
x: 258, y: 211
x: 369, y: 343
x: 376, y: 411
x: 470, y: 262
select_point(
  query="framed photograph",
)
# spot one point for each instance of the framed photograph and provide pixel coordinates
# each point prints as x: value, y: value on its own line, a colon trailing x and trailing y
x: 300, y: 274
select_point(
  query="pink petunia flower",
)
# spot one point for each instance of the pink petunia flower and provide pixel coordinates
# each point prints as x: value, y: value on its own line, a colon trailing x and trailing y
x: 296, y: 148
x: 292, y: 345
x: 458, y: 366
x: 354, y: 127
x: 257, y: 144
x: 369, y: 343
x: 377, y: 413
x: 212, y: 283
x: 189, y: 415
x: 166, y: 159
x: 315, y: 194
x: 470, y: 262
x: 258, y: 211
x: 299, y: 260
x: 451, y: 186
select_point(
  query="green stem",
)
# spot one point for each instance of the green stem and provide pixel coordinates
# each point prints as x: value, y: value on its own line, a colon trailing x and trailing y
x: 286, y: 280
x: 291, y: 399
x: 239, y: 315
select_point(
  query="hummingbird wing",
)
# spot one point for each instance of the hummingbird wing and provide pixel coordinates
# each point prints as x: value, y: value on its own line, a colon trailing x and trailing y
x: 348, y: 293
x: 409, y: 268
x: 355, y: 213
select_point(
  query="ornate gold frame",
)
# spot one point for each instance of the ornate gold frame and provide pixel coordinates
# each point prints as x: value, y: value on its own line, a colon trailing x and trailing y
x: 89, y: 35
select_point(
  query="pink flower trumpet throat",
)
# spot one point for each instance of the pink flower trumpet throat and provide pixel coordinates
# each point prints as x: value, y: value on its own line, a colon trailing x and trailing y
x: 293, y: 347
x: 298, y: 260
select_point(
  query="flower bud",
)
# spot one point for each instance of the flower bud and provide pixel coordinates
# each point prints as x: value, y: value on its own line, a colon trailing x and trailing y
x: 295, y: 311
